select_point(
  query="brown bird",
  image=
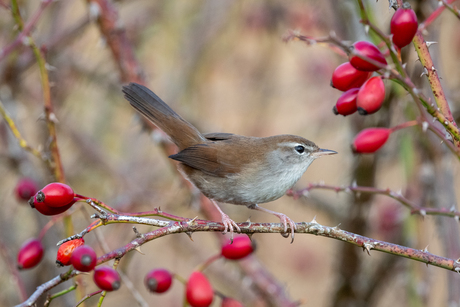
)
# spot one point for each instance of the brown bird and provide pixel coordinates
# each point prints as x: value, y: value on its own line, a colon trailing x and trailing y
x: 231, y: 168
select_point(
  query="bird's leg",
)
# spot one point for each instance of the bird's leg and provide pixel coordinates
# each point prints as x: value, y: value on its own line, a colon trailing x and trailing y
x: 227, y: 221
x: 284, y: 219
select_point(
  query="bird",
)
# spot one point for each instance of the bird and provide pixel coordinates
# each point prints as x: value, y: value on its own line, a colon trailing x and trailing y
x: 230, y: 168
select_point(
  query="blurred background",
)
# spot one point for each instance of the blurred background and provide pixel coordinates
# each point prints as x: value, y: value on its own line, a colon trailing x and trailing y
x: 224, y: 67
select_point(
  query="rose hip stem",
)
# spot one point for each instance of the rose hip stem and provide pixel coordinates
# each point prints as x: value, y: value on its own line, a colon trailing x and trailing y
x: 404, y: 125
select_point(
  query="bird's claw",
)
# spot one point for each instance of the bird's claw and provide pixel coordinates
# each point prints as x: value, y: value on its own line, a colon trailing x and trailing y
x: 229, y: 225
x: 285, y: 220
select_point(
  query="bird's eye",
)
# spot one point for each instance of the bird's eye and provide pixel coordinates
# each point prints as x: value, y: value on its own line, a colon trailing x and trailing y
x: 300, y: 149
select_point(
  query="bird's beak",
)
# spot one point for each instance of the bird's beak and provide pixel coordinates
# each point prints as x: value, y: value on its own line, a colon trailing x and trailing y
x: 323, y: 152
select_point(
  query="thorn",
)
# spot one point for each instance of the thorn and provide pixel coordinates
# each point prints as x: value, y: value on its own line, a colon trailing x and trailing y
x: 433, y: 69
x: 26, y: 41
x: 367, y: 247
x: 337, y: 226
x: 52, y: 117
x: 354, y: 184
x: 404, y: 65
x: 422, y: 213
x: 457, y: 269
x: 366, y: 29
x: 192, y: 221
x: 189, y: 234
x: 452, y: 209
x: 457, y: 261
x: 49, y: 67
x: 249, y: 220
x: 138, y: 249
x: 428, y: 44
x: 426, y: 249
x: 249, y: 235
x: 306, y: 193
x: 425, y: 126
x: 392, y: 47
x: 313, y: 221
x: 425, y: 72
x: 94, y: 11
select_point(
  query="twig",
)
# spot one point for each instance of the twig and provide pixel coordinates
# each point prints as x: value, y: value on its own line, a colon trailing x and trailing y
x: 50, y: 117
x: 414, y: 208
x: 46, y: 287
x: 435, y: 14
x: 25, y: 29
x: 22, y: 142
x: 451, y: 8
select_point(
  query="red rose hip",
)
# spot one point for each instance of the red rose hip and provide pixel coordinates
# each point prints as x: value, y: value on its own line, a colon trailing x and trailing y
x: 106, y: 278
x: 369, y: 50
x: 370, y: 140
x: 241, y: 247
x: 199, y: 292
x: 25, y: 189
x: 346, y: 77
x: 65, y: 251
x: 30, y: 254
x: 403, y: 26
x: 83, y: 258
x: 55, y: 194
x: 158, y: 280
x: 346, y: 104
x: 370, y: 96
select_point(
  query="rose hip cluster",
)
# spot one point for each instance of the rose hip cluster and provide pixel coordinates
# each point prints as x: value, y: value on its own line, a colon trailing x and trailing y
x: 364, y: 93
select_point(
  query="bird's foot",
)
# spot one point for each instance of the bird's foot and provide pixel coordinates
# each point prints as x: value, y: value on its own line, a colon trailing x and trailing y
x: 229, y: 224
x: 284, y: 219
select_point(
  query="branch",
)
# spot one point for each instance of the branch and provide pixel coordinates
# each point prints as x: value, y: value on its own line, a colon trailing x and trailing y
x: 250, y: 228
x: 414, y: 208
